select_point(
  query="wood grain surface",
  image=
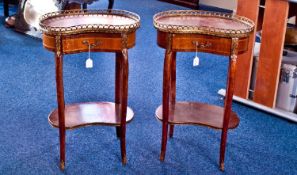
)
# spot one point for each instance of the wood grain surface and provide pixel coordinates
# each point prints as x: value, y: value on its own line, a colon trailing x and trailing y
x: 249, y: 9
x: 273, y: 35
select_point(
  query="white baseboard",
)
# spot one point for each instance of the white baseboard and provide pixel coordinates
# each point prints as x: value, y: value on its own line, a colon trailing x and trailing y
x: 278, y: 112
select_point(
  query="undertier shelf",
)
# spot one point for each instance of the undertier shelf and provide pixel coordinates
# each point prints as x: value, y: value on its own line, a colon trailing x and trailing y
x: 92, y: 113
x: 198, y: 114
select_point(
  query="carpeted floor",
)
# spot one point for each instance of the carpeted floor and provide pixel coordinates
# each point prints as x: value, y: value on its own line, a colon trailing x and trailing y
x: 262, y: 144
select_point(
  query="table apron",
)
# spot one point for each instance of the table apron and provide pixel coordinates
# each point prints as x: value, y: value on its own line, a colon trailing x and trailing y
x: 101, y: 42
x: 206, y: 43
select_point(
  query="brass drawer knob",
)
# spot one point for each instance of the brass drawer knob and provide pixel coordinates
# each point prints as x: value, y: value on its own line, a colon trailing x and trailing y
x: 91, y: 45
x: 89, y: 61
x: 202, y: 45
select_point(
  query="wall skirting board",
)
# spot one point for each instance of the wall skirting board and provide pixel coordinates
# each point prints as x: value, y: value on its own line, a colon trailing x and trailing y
x: 281, y: 113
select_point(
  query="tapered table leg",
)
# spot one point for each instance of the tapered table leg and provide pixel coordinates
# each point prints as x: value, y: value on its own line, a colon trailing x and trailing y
x: 124, y: 102
x: 228, y: 99
x: 165, y: 101
x: 118, y: 84
x: 172, y: 89
x: 60, y: 99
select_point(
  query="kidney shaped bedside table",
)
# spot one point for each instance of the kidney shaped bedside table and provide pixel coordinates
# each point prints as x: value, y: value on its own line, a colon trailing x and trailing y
x: 189, y: 31
x: 68, y: 32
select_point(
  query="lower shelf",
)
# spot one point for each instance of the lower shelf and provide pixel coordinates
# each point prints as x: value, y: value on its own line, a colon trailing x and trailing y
x: 198, y: 114
x: 92, y: 113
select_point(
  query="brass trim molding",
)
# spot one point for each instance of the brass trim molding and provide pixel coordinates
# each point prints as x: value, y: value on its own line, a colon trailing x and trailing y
x: 106, y: 28
x: 172, y: 28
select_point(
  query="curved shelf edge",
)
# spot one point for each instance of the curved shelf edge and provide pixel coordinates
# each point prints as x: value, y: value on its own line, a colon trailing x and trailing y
x: 91, y: 113
x: 195, y: 113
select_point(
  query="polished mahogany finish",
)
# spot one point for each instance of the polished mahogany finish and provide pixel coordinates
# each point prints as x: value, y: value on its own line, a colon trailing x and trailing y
x: 69, y: 32
x: 92, y: 113
x: 75, y: 43
x: 61, y: 101
x: 198, y: 114
x: 184, y: 43
x: 184, y: 31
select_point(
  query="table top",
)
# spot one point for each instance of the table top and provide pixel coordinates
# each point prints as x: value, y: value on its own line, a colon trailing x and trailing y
x: 79, y: 21
x: 203, y: 22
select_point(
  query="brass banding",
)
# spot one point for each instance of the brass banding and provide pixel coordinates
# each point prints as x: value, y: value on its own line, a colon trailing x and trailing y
x: 173, y: 27
x: 46, y: 27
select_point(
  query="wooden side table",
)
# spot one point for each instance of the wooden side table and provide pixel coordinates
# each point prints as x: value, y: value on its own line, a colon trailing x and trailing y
x: 188, y: 30
x: 69, y: 32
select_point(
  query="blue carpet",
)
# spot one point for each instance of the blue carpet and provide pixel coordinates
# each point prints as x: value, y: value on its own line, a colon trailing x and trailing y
x: 262, y: 144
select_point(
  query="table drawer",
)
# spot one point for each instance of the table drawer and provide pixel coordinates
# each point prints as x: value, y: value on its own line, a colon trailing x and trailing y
x: 98, y: 42
x: 107, y: 43
x: 211, y: 44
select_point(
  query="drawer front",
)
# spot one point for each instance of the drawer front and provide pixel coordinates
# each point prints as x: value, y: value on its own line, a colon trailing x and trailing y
x: 81, y: 44
x: 97, y: 42
x: 206, y: 43
x: 106, y: 43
